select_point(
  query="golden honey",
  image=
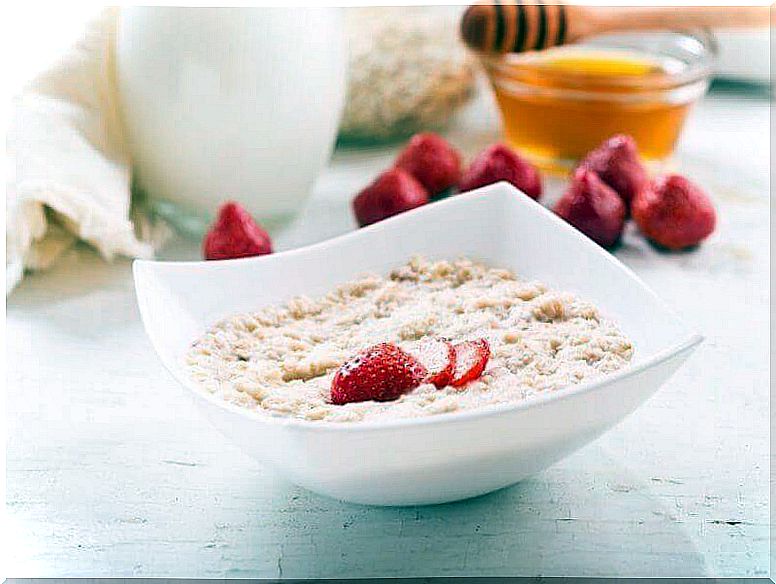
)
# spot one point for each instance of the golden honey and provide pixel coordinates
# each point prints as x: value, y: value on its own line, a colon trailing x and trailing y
x: 558, y: 104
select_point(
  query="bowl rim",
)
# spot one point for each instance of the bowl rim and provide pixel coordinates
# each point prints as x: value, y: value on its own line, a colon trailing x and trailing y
x: 687, y: 343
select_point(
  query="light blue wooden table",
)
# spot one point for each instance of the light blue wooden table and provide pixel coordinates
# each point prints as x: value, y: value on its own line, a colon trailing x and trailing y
x: 111, y: 471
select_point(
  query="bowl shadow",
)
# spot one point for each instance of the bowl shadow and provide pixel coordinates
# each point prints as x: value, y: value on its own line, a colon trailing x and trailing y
x: 552, y: 524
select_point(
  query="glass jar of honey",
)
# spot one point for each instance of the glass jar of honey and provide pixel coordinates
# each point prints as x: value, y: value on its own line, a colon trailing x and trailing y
x: 558, y: 104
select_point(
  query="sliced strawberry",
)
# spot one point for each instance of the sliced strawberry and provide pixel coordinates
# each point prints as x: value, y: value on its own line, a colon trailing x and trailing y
x: 382, y: 373
x: 438, y: 357
x: 471, y: 357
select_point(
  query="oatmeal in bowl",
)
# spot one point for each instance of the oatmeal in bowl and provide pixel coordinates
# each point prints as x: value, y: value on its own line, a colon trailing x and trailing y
x: 429, y: 338
x: 297, y: 382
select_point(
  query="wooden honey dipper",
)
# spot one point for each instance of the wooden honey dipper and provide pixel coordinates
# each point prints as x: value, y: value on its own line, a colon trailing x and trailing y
x: 515, y: 26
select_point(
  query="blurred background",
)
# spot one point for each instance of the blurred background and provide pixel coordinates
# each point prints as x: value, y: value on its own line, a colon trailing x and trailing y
x: 401, y: 70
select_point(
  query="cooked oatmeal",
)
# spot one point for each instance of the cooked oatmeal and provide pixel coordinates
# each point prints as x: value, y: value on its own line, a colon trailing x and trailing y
x: 281, y: 359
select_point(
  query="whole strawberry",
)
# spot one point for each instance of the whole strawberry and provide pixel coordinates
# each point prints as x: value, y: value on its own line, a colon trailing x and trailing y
x: 432, y: 160
x: 497, y: 163
x: 593, y: 208
x: 235, y: 235
x: 381, y: 373
x: 393, y: 192
x: 617, y: 163
x: 674, y: 212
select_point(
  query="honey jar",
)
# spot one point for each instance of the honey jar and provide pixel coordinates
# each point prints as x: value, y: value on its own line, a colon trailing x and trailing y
x: 558, y: 104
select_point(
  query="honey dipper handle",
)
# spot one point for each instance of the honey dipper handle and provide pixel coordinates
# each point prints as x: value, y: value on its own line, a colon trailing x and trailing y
x: 675, y: 17
x: 514, y: 26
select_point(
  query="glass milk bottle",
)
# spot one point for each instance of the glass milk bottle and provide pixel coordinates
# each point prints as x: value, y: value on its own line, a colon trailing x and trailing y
x: 230, y: 103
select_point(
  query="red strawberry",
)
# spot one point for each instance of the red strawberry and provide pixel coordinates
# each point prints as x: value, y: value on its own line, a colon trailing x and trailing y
x: 674, y: 212
x: 593, y: 208
x: 235, y: 235
x: 471, y: 357
x: 382, y: 373
x: 438, y: 357
x: 617, y: 163
x: 497, y: 163
x: 432, y: 160
x: 393, y: 192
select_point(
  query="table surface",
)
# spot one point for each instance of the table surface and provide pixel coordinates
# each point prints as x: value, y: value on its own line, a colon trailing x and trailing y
x: 112, y: 472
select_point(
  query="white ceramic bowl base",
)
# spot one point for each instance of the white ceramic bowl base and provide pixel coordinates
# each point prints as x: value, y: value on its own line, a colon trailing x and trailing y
x: 437, y: 458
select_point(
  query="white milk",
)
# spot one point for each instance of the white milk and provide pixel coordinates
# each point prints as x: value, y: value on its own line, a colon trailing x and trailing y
x: 231, y: 103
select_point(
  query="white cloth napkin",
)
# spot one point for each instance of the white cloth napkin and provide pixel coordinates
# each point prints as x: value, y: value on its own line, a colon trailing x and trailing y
x: 70, y: 167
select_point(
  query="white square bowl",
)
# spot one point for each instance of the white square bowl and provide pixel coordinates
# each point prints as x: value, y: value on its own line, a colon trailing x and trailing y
x: 437, y: 458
